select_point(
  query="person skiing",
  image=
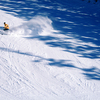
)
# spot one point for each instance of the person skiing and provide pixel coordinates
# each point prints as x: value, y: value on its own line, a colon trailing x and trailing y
x: 6, y: 26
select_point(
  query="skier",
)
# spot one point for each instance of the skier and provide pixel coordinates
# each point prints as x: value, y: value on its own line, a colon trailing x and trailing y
x: 6, y: 26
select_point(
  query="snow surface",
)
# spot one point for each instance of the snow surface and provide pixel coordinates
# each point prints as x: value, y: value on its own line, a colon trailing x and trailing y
x: 52, y: 50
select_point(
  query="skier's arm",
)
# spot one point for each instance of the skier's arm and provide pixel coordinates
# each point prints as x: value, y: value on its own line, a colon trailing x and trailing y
x: 6, y: 26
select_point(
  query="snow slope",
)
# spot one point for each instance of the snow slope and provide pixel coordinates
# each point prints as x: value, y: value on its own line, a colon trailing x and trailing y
x: 52, y: 50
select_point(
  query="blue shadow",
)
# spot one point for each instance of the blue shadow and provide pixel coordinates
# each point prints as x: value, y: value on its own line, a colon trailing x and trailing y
x: 16, y: 51
x: 76, y: 21
x: 1, y: 28
x: 92, y: 73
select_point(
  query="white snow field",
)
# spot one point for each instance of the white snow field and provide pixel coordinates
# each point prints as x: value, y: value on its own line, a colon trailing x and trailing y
x: 52, y: 50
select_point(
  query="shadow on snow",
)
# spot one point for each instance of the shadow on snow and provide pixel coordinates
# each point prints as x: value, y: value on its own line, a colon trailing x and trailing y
x: 92, y: 73
x: 16, y: 51
x: 79, y: 23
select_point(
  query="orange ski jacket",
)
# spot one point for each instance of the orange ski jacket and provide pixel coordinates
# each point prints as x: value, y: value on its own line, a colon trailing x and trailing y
x: 6, y: 26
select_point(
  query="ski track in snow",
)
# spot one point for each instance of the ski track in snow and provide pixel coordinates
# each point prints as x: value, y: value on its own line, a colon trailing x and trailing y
x: 34, y: 67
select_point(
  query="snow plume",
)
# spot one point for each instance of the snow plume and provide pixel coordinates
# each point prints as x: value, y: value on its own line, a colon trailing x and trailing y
x: 39, y: 25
